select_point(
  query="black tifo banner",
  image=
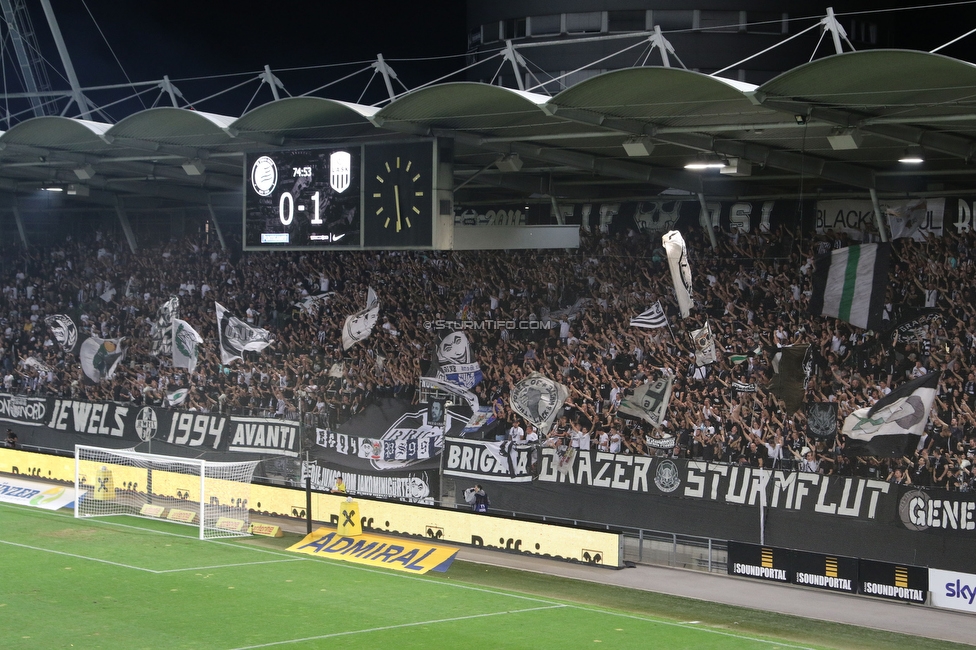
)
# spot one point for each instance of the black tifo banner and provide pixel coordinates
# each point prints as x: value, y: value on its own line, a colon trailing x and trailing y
x: 61, y: 423
x: 851, y: 516
x: 902, y: 582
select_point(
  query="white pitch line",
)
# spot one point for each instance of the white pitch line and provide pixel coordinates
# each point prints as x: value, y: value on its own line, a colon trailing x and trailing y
x: 80, y: 557
x: 396, y: 627
x: 698, y: 628
x: 226, y: 566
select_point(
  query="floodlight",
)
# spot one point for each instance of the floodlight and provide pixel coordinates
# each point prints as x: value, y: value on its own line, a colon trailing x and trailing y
x: 194, y: 167
x: 509, y: 163
x: 641, y: 146
x: 912, y: 156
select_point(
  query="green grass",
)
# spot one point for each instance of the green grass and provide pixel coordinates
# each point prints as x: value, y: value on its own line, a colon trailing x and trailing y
x: 131, y: 583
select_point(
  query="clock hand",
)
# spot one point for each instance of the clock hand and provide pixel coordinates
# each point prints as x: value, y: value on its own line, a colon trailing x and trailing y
x: 396, y: 197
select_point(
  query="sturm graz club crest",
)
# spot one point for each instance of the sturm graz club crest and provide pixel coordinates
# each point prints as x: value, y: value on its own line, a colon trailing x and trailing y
x: 264, y: 176
x: 146, y: 424
x: 666, y: 476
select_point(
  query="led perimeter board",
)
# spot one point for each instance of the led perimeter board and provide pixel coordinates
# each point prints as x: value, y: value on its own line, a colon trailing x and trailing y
x: 342, y: 198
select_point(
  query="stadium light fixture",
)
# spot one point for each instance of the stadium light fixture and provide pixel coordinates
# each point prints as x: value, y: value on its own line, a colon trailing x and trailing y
x: 509, y: 163
x: 84, y: 172
x: 912, y: 156
x: 707, y: 161
x: 194, y: 167
x: 844, y: 139
x: 641, y: 146
x: 737, y: 167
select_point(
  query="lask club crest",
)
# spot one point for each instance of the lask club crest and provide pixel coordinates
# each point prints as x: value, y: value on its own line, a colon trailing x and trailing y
x: 340, y: 170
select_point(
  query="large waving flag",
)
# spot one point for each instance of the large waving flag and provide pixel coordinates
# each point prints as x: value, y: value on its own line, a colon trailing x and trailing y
x: 649, y: 402
x: 236, y: 336
x: 186, y: 342
x: 360, y: 325
x: 674, y: 246
x: 539, y: 400
x: 99, y: 358
x: 849, y: 284
x: 457, y: 361
x: 704, y: 345
x: 894, y: 424
x: 65, y: 331
x: 653, y: 318
x: 789, y: 375
x: 162, y: 328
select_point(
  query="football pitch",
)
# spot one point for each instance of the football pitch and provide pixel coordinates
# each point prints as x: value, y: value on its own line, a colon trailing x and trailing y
x: 123, y: 582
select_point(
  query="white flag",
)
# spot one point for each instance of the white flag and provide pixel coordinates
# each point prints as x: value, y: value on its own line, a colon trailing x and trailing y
x: 653, y: 318
x: 236, y: 336
x: 704, y: 345
x: 360, y: 325
x: 99, y: 358
x: 177, y: 397
x: 186, y: 342
x: 649, y: 402
x: 539, y: 400
x: 162, y: 328
x: 674, y: 245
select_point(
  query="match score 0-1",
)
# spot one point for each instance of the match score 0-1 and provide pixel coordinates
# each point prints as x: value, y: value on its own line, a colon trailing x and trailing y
x: 303, y: 199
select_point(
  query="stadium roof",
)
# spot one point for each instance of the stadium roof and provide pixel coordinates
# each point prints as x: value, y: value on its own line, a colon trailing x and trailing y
x: 835, y: 127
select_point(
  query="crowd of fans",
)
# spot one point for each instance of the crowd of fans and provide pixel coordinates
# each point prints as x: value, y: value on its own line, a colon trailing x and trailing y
x: 753, y: 289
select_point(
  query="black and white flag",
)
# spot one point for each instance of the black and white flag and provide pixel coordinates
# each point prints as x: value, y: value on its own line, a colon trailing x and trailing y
x: 653, y: 318
x: 674, y: 246
x: 162, y: 329
x: 894, y: 424
x: 236, y: 336
x: 99, y: 358
x: 916, y: 326
x: 791, y: 368
x: 649, y: 401
x: 186, y: 342
x: 65, y: 331
x: 822, y: 420
x: 457, y: 362
x: 906, y: 219
x: 539, y: 400
x: 850, y: 283
x: 704, y: 345
x: 360, y: 325
x: 742, y: 387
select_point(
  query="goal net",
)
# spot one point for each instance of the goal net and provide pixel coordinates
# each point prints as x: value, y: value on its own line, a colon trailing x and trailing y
x: 211, y: 496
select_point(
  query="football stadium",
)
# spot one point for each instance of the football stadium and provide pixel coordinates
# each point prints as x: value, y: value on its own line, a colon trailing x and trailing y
x: 563, y: 324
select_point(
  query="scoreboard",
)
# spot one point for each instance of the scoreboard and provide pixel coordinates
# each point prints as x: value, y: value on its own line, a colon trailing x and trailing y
x: 343, y: 198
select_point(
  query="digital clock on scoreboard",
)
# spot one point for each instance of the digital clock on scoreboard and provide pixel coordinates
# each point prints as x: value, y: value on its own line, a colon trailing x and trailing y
x: 307, y: 198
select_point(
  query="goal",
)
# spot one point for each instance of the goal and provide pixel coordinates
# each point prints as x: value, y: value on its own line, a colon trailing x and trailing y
x: 212, y: 496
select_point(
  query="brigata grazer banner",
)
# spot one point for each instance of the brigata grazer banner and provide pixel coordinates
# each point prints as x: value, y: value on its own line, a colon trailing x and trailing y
x: 834, y: 515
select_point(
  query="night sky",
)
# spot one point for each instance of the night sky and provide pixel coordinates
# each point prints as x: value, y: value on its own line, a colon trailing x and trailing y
x: 202, y: 38
x: 186, y: 39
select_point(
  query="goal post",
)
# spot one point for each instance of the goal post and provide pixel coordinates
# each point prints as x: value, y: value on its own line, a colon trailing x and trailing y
x: 212, y: 496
